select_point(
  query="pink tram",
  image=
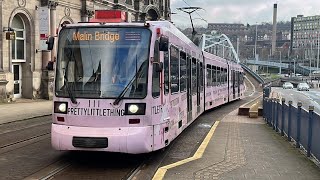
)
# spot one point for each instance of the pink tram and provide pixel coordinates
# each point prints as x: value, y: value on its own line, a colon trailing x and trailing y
x: 133, y: 87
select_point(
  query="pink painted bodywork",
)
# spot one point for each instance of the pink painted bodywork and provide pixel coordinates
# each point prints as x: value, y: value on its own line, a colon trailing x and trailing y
x: 165, y: 118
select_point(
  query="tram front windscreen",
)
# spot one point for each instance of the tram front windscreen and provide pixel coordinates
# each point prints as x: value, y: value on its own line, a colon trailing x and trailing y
x: 102, y: 62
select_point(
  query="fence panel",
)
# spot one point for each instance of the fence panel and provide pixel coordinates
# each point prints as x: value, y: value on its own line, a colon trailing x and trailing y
x: 304, y: 128
x: 294, y: 119
x: 279, y: 124
x: 315, y: 144
x: 286, y: 117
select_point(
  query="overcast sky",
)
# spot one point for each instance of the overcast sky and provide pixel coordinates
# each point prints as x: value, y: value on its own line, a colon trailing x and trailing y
x: 241, y: 11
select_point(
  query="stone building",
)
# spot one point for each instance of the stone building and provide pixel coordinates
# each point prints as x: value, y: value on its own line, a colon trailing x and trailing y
x: 305, y: 35
x: 23, y: 64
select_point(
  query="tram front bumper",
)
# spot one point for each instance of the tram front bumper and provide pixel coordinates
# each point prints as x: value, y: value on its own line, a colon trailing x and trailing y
x: 133, y: 140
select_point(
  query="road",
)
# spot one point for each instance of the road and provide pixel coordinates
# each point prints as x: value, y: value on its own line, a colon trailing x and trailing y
x: 307, y: 98
x: 26, y: 152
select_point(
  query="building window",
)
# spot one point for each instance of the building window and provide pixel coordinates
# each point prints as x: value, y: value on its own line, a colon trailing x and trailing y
x: 19, y: 44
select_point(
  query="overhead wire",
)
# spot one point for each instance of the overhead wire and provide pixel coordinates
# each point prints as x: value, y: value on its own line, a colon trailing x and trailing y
x: 195, y: 11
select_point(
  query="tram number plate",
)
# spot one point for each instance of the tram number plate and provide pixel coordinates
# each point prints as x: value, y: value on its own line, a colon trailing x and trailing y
x: 90, y: 142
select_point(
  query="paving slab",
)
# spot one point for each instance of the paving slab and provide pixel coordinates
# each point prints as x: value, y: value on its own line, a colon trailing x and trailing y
x: 24, y: 109
x: 246, y: 148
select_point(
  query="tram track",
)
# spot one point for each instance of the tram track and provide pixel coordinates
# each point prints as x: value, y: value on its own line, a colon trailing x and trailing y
x: 19, y: 134
x: 20, y: 125
x: 51, y: 171
x: 21, y: 143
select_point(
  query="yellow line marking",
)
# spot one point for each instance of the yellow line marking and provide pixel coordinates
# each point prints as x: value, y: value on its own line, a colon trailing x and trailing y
x: 197, y: 155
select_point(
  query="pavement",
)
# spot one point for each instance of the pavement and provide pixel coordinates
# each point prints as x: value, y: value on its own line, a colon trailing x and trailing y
x: 24, y: 109
x: 237, y: 148
x: 242, y: 148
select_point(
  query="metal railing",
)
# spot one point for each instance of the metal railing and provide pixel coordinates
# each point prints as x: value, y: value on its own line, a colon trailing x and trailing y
x: 255, y: 75
x: 298, y: 125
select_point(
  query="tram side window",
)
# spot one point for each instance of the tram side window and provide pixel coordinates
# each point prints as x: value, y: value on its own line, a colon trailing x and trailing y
x: 214, y: 76
x: 174, y: 67
x: 194, y: 76
x: 236, y: 79
x: 208, y: 75
x: 241, y: 77
x: 222, y: 76
x: 183, y: 71
x: 155, y: 74
x: 201, y: 77
x: 218, y: 76
x: 166, y: 72
x: 226, y: 76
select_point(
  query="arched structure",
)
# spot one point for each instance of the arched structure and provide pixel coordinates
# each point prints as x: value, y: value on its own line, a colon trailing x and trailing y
x: 219, y: 45
x: 21, y: 53
x: 152, y: 13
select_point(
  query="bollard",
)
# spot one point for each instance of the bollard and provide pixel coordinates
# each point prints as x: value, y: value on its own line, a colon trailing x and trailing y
x: 283, y: 101
x: 289, y: 121
x: 299, y: 104
x: 311, y: 112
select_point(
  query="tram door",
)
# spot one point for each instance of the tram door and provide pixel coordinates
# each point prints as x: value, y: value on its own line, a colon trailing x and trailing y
x: 189, y: 91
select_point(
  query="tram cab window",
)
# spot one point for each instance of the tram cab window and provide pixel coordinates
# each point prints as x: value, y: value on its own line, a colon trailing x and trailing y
x: 166, y: 72
x: 155, y: 73
x: 174, y: 69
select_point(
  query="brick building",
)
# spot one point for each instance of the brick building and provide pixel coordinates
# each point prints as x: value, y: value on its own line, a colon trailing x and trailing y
x: 23, y: 72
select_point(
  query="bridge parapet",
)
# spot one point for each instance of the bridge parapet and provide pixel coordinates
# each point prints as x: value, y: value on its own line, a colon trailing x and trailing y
x: 268, y: 63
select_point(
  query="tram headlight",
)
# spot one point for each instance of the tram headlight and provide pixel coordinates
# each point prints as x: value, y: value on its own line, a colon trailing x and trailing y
x: 60, y: 107
x: 135, y: 109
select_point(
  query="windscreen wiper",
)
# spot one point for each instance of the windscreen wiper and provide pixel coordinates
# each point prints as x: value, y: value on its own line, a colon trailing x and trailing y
x: 118, y: 99
x: 71, y: 95
x: 66, y: 82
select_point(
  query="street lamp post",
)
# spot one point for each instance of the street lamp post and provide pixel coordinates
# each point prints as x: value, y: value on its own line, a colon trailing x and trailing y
x: 255, y: 42
x: 280, y: 63
x: 318, y: 46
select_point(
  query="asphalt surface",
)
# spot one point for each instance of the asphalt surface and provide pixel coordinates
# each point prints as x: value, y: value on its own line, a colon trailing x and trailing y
x: 307, y: 98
